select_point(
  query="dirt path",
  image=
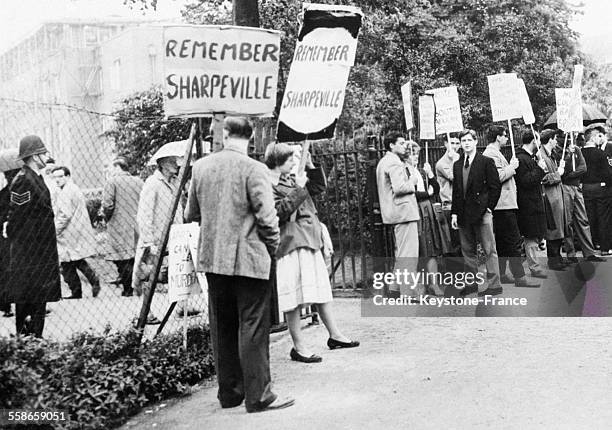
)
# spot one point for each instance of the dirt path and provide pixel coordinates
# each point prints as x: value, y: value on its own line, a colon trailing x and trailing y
x: 429, y: 373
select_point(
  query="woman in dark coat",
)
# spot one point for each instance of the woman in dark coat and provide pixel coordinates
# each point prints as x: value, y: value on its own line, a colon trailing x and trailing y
x: 301, y: 273
x: 33, y: 277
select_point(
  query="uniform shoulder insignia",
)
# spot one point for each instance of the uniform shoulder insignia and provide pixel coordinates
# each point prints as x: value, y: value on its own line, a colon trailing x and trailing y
x: 20, y: 199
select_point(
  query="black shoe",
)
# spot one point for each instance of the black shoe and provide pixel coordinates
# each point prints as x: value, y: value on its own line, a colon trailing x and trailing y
x: 573, y: 260
x: 505, y: 279
x: 335, y: 344
x: 8, y: 314
x: 278, y: 403
x: 524, y: 283
x: 127, y: 293
x: 152, y: 320
x: 95, y: 290
x: 469, y: 289
x: 296, y: 356
x: 491, y: 291
x: 556, y: 266
x: 73, y: 296
x: 594, y: 258
x: 539, y: 274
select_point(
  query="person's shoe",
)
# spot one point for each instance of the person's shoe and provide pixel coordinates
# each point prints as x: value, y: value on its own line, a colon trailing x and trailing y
x: 595, y: 258
x: 539, y: 274
x: 469, y: 289
x: 73, y: 297
x: 190, y: 313
x: 566, y: 261
x: 505, y: 279
x: 491, y: 291
x: 8, y: 314
x: 605, y: 253
x: 335, y: 344
x: 296, y: 356
x: 95, y: 290
x: 127, y: 293
x: 556, y: 266
x: 278, y: 403
x: 524, y: 283
x: 573, y: 260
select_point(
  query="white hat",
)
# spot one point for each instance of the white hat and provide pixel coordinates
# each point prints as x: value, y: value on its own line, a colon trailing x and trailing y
x: 171, y: 149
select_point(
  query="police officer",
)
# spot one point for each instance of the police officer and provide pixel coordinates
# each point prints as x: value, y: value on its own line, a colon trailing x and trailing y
x: 33, y: 276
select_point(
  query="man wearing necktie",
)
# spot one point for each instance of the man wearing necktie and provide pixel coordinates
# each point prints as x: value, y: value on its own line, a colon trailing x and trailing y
x: 476, y: 191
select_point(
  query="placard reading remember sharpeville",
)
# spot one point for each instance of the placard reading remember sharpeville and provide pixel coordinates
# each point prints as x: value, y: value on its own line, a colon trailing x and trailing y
x: 220, y: 69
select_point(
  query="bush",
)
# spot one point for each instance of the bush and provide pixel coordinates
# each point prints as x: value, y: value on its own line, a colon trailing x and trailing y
x: 100, y: 380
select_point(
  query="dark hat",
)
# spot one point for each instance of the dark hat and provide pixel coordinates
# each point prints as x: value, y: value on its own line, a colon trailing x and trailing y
x: 31, y: 145
x: 596, y: 126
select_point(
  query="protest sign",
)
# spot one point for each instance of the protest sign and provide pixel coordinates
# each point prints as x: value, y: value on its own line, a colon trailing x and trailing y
x: 407, y: 99
x: 220, y: 69
x: 525, y: 103
x: 324, y: 54
x: 578, y: 74
x: 505, y: 100
x: 569, y: 109
x: 182, y: 248
x: 448, y: 110
x: 427, y: 117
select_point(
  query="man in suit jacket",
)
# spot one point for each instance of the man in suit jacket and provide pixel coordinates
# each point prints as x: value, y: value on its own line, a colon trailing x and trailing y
x: 398, y: 207
x: 476, y: 190
x: 231, y: 195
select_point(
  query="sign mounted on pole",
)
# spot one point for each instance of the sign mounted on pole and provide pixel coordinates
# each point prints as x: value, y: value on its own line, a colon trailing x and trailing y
x: 569, y: 109
x: 578, y: 74
x: 427, y: 118
x: 211, y: 69
x: 407, y: 99
x: 448, y: 110
x: 505, y: 100
x: 324, y: 54
x: 526, y: 108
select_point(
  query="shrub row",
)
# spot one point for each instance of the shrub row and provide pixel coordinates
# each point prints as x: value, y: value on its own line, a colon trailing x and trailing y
x: 100, y: 380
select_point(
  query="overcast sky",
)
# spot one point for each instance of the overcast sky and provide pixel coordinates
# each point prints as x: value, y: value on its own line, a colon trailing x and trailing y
x: 19, y: 17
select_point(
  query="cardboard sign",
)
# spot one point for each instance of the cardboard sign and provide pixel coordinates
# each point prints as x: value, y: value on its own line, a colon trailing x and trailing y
x: 324, y: 54
x: 569, y: 109
x: 220, y: 69
x: 407, y: 99
x: 578, y: 74
x: 427, y: 118
x: 448, y: 110
x: 505, y: 101
x: 526, y: 108
x: 183, y: 281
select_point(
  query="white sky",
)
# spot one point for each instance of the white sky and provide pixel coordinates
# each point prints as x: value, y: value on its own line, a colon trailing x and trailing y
x: 20, y: 17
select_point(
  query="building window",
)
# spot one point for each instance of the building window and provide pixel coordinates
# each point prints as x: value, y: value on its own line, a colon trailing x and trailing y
x: 115, y: 75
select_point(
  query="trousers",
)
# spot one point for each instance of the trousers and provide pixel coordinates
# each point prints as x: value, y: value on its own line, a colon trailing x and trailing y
x: 239, y: 313
x: 36, y: 312
x: 508, y: 242
x: 69, y: 272
x: 481, y: 232
x: 406, y: 253
x: 579, y: 226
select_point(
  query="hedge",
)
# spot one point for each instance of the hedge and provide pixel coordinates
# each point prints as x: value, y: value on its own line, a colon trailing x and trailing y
x: 101, y: 380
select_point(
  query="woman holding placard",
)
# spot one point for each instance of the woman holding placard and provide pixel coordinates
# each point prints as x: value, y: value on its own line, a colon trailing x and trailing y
x: 301, y: 274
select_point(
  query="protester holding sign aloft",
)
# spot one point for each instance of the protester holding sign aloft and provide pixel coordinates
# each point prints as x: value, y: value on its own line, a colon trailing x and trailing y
x: 507, y: 234
x: 301, y: 273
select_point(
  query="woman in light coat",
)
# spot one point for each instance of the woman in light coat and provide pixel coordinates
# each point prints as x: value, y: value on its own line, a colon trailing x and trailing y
x: 301, y: 273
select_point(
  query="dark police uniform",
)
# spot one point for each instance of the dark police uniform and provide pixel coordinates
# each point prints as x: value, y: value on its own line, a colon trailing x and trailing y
x: 33, y: 274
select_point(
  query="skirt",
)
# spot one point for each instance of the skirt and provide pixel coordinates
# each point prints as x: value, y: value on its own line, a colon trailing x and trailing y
x: 302, y: 279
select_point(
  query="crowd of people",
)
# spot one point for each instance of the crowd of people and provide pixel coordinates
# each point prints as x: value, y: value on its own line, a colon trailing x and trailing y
x: 550, y: 195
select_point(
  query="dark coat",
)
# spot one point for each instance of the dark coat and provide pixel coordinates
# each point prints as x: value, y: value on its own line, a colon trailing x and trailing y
x: 305, y: 230
x: 482, y: 191
x: 530, y: 196
x: 33, y: 275
x: 4, y: 244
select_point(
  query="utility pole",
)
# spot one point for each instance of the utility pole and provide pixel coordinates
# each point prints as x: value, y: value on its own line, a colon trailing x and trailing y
x: 245, y: 13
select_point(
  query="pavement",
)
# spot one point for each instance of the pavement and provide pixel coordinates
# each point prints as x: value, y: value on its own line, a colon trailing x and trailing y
x: 426, y: 373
